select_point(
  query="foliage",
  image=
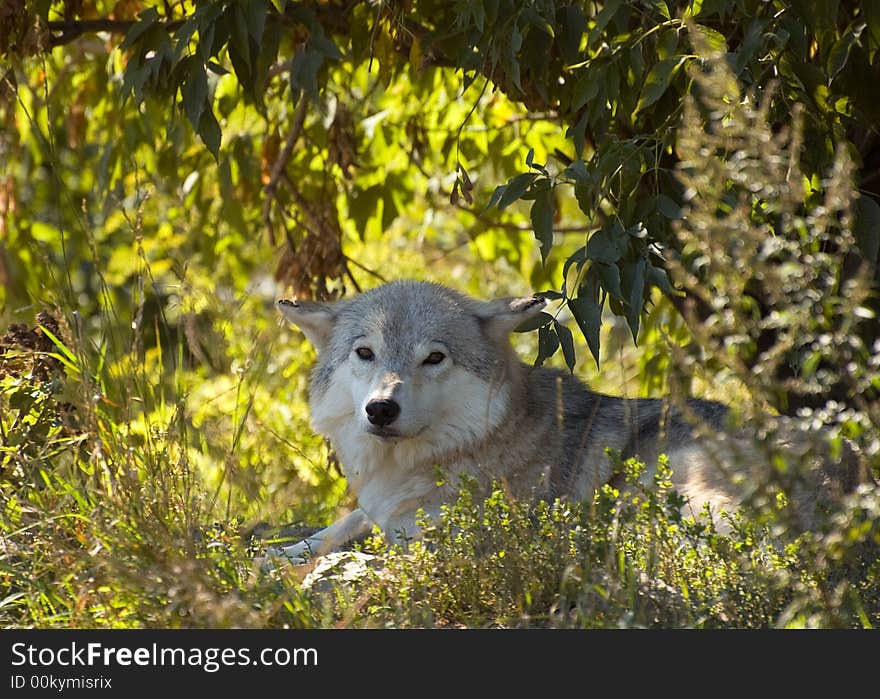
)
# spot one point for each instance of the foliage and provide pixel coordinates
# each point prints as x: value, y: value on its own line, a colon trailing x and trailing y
x: 626, y: 559
x: 613, y: 75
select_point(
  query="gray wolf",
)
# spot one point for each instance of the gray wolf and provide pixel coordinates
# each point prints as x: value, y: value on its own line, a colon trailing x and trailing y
x: 414, y: 377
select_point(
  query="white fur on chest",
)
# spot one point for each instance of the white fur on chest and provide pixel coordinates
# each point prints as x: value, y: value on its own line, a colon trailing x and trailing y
x: 387, y: 478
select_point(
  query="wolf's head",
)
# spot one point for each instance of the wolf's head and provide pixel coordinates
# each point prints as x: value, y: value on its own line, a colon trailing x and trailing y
x: 413, y: 365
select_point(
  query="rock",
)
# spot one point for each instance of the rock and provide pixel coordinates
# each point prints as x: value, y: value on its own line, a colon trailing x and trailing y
x: 346, y: 569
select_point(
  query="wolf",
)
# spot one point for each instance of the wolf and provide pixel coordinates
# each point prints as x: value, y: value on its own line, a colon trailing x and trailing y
x: 413, y: 379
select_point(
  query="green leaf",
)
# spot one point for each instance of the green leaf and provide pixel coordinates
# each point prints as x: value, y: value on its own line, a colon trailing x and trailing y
x: 577, y: 258
x: 577, y: 171
x: 304, y: 74
x: 572, y: 24
x: 661, y: 7
x: 658, y: 80
x: 135, y: 78
x: 390, y: 210
x: 657, y: 276
x: 238, y: 37
x: 818, y: 15
x: 60, y: 345
x: 209, y: 132
x: 255, y: 12
x: 363, y: 205
x: 714, y: 39
x: 510, y: 64
x: 606, y: 14
x: 609, y: 276
x: 146, y: 20
x: 607, y: 244
x: 535, y: 19
x: 242, y: 69
x: 633, y: 280
x: 578, y: 133
x: 566, y: 341
x: 534, y: 323
x: 542, y: 221
x: 184, y: 34
x: 839, y: 54
x: 195, y: 91
x: 588, y: 315
x: 213, y: 29
x: 668, y: 208
x: 871, y: 14
x: 585, y: 196
x: 586, y: 88
x: 478, y: 12
x: 496, y: 196
x: 323, y: 45
x: 515, y: 188
x: 751, y: 43
x: 548, y: 343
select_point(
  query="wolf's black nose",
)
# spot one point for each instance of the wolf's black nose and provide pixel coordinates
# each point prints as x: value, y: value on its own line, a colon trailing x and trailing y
x: 382, y: 412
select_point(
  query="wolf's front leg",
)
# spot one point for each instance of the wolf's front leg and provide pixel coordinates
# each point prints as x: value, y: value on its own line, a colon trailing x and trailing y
x: 354, y: 525
x: 403, y: 527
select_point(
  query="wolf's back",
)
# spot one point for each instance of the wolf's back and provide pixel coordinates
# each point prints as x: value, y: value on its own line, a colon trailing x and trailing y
x: 576, y: 427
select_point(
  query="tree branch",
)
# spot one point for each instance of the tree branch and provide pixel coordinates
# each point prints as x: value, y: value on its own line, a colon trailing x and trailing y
x: 299, y: 118
x: 64, y: 31
x: 73, y: 29
x: 523, y: 228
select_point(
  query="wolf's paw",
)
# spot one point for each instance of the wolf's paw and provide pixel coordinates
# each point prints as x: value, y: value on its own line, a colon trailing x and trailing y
x: 277, y: 556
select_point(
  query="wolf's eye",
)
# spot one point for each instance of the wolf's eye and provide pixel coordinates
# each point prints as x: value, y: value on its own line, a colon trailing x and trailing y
x: 364, y: 353
x: 434, y: 358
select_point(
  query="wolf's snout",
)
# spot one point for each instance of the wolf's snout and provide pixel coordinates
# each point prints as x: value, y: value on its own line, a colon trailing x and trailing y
x: 382, y: 412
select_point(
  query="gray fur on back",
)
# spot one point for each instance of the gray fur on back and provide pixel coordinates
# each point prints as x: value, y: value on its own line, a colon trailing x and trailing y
x: 586, y: 423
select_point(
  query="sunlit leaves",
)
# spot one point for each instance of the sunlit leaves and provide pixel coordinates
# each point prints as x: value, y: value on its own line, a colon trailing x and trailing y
x: 611, y: 75
x: 658, y: 81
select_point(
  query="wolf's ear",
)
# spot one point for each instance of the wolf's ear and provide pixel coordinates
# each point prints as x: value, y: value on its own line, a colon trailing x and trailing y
x: 502, y: 316
x: 314, y: 319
